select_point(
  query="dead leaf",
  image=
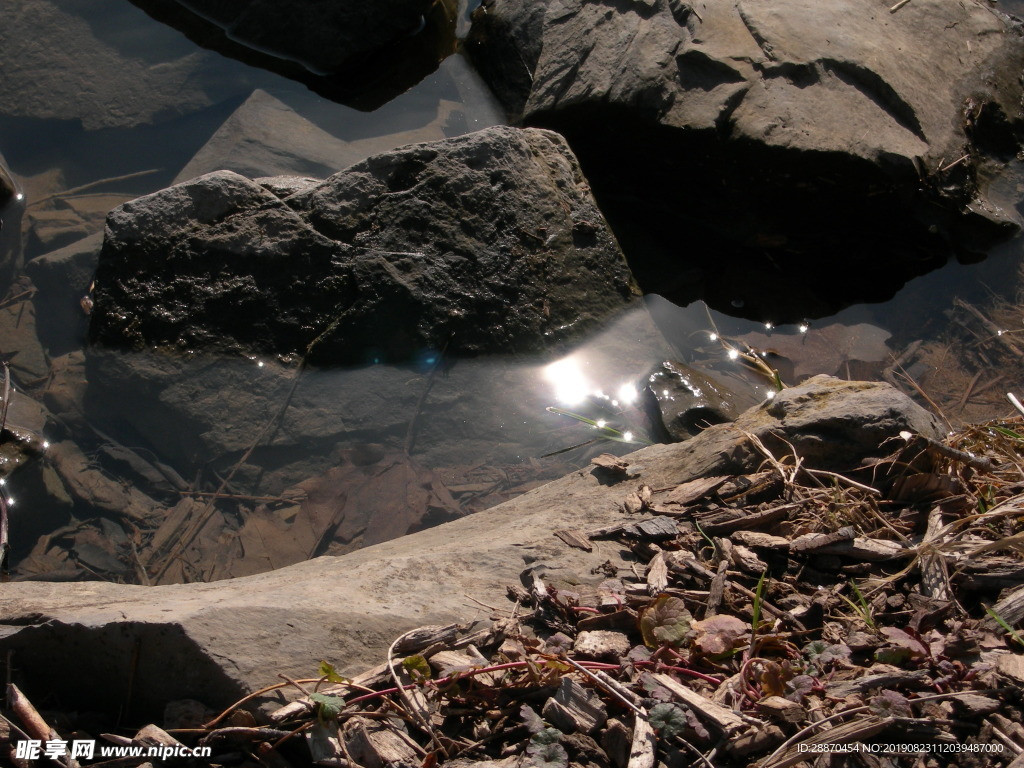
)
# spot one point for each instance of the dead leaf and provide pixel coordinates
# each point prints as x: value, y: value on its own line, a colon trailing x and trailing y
x: 719, y: 634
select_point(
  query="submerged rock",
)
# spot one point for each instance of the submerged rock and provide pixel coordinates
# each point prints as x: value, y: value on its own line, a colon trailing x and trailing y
x: 12, y: 207
x: 101, y: 74
x: 684, y: 401
x: 489, y: 242
x: 779, y: 159
x: 353, y: 52
x: 238, y: 635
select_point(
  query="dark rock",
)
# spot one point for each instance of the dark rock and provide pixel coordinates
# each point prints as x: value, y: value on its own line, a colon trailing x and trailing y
x: 684, y: 401
x: 105, y: 74
x: 779, y: 160
x: 62, y: 278
x: 485, y: 243
x: 12, y: 206
x: 356, y: 53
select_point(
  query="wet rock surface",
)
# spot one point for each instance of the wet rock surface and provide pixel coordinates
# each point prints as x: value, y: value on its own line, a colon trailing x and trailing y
x: 488, y: 242
x: 685, y: 401
x: 351, y: 52
x: 351, y: 608
x: 804, y: 157
x: 12, y: 206
x: 101, y: 74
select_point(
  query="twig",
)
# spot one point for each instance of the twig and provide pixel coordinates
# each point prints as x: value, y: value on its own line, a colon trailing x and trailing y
x: 848, y: 481
x: 1015, y: 402
x: 956, y: 162
x: 898, y: 5
x: 610, y: 686
x: 424, y: 722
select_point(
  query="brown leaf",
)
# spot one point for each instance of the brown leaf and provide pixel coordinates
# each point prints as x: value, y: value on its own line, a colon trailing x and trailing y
x: 719, y: 634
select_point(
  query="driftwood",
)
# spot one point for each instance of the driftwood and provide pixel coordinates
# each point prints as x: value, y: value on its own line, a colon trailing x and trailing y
x: 575, y: 709
x: 724, y: 720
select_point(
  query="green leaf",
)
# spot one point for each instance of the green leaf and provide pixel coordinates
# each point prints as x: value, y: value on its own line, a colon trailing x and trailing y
x: 417, y: 667
x: 890, y: 704
x: 548, y: 756
x: 895, y: 655
x: 327, y: 670
x: 327, y: 707
x: 546, y: 736
x: 668, y: 719
x: 666, y: 621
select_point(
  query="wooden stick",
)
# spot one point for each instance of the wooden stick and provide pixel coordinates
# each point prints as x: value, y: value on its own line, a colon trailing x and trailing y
x: 898, y: 5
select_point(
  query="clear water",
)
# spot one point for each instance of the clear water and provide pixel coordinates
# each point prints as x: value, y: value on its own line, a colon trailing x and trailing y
x: 452, y: 436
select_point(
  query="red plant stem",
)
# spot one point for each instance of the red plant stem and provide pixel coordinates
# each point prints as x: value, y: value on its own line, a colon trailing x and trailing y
x: 680, y: 670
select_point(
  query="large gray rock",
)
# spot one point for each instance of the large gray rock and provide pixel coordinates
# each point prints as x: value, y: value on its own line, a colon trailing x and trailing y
x: 785, y: 157
x: 85, y: 60
x: 228, y: 637
x: 490, y: 242
x: 355, y: 52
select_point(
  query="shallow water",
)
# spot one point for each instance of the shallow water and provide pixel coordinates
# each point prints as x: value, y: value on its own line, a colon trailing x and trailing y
x: 452, y: 436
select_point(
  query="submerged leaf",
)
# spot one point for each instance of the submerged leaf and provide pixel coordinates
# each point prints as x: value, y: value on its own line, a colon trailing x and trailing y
x: 666, y: 621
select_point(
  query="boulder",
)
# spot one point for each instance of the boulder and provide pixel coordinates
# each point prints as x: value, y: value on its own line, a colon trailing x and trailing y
x: 779, y: 159
x: 230, y: 637
x: 357, y: 53
x: 105, y: 74
x: 489, y: 242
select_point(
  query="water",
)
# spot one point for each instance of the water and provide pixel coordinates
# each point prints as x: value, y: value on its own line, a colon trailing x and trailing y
x: 231, y: 467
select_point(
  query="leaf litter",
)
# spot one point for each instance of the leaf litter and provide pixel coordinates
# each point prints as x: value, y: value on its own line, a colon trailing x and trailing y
x: 789, y: 617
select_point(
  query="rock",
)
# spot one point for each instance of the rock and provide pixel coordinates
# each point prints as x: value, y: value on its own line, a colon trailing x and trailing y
x: 96, y: 68
x: 791, y: 148
x: 488, y: 242
x: 356, y: 53
x: 829, y: 349
x: 684, y: 401
x: 12, y: 206
x: 20, y: 342
x: 207, y: 411
x: 266, y: 137
x: 229, y: 637
x: 62, y: 278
